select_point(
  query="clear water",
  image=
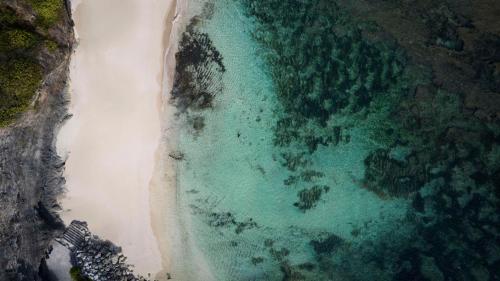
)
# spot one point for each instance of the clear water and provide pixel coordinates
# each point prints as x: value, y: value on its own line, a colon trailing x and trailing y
x: 231, y: 180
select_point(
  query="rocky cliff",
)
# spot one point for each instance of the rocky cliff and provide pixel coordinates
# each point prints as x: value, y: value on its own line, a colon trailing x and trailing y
x: 36, y: 39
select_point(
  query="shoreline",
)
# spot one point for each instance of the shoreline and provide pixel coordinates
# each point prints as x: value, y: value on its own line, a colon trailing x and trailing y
x: 158, y: 195
x: 180, y: 256
x: 110, y: 164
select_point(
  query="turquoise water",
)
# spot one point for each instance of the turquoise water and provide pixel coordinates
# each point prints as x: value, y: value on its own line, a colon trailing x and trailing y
x: 233, y: 175
x: 314, y: 149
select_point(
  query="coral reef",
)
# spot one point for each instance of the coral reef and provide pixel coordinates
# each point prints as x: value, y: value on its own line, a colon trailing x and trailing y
x: 415, y: 85
x: 324, y: 69
x: 224, y: 220
x: 443, y: 24
x: 322, y: 65
x: 198, y: 71
x: 310, y: 196
x: 387, y: 176
x: 427, y: 94
x: 327, y: 245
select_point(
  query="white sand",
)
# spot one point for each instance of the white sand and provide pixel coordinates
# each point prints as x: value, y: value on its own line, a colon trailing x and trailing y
x: 116, y: 84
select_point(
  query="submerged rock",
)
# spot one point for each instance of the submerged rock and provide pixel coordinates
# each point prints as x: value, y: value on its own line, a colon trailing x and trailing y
x: 177, y: 155
x: 327, y: 245
x: 308, y: 198
x: 427, y: 92
x: 198, y: 72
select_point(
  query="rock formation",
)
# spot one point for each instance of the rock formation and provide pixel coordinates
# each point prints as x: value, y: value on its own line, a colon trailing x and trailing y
x: 96, y: 259
x: 30, y: 170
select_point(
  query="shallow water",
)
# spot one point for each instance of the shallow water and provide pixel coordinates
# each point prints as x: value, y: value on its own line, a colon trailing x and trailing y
x: 231, y: 183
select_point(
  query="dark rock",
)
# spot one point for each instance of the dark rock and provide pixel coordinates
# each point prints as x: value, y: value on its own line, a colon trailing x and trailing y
x: 177, y: 155
x: 307, y: 266
x: 257, y: 260
x: 279, y: 255
x: 248, y: 224
x: 289, y: 274
x: 388, y: 177
x: 418, y: 203
x: 198, y: 72
x: 309, y: 197
x: 328, y: 245
x: 198, y: 123
x: 30, y: 169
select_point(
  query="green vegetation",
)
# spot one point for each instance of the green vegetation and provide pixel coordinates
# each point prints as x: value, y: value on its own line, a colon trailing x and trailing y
x: 19, y: 80
x: 16, y: 39
x: 20, y: 72
x: 48, y: 11
x: 50, y: 45
x: 7, y: 16
x: 76, y: 274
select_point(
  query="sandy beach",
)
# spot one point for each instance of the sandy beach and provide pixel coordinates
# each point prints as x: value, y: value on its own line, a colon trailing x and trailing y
x: 111, y: 141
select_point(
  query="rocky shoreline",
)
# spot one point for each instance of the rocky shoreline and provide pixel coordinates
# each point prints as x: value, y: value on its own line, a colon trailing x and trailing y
x: 438, y: 76
x: 30, y: 169
x: 95, y: 258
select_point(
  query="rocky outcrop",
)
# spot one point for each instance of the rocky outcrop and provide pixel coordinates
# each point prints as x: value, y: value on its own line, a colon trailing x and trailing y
x: 95, y: 258
x: 30, y: 170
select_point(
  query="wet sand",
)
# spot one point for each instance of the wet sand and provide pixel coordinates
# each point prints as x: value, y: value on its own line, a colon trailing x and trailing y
x: 180, y: 255
x: 111, y: 140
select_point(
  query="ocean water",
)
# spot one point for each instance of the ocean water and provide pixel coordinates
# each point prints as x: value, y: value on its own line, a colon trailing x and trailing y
x: 258, y: 210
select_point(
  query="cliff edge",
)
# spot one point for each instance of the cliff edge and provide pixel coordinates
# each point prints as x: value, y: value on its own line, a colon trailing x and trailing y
x: 36, y: 39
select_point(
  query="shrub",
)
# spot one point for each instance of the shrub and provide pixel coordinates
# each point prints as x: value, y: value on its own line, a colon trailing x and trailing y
x: 51, y: 45
x: 20, y: 73
x: 76, y: 274
x: 7, y: 16
x: 48, y: 11
x: 16, y: 39
x: 19, y: 80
